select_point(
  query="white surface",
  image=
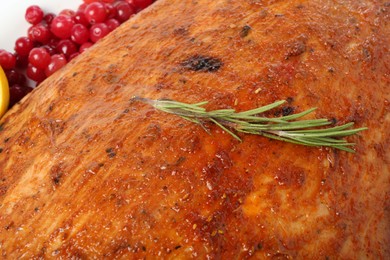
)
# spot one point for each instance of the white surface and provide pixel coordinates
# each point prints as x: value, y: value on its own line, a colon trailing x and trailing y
x: 12, y: 22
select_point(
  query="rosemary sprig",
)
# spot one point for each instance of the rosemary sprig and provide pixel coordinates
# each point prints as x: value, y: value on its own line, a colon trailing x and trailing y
x: 289, y: 128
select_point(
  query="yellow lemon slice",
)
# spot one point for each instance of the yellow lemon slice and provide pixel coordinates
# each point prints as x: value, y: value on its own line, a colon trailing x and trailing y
x: 4, y: 93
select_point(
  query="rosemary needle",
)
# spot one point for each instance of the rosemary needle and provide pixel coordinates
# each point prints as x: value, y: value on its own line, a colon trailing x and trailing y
x: 289, y: 128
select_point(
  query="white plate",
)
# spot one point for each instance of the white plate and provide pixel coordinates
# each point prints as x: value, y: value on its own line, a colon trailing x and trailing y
x: 12, y: 22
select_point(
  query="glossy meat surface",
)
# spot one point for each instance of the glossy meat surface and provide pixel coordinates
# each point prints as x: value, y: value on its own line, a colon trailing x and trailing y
x: 85, y: 172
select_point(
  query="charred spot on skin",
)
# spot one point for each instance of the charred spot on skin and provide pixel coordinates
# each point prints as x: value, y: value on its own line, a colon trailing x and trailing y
x: 50, y: 108
x: 181, y: 31
x: 1, y: 150
x: 289, y: 100
x: 126, y: 55
x: 333, y: 121
x: 180, y: 160
x: 91, y: 91
x: 367, y: 54
x: 1, y: 127
x: 110, y: 152
x: 263, y: 13
x: 160, y: 86
x: 9, y: 226
x: 295, y: 49
x: 183, y: 80
x: 3, y: 190
x: 202, y: 63
x: 284, y: 111
x: 245, y: 31
x: 56, y: 180
x: 110, y: 78
x: 287, y: 111
x: 56, y: 174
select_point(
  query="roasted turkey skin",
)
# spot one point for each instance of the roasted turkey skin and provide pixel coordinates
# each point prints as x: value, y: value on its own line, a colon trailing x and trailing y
x: 87, y: 172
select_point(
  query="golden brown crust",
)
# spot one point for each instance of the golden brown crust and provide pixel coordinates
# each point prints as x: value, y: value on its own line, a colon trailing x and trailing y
x: 85, y: 172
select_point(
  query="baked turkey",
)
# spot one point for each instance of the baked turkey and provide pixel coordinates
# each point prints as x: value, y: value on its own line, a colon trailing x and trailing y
x: 86, y: 172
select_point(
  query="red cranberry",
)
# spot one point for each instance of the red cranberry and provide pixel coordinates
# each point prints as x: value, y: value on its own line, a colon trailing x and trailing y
x: 112, y: 24
x: 34, y: 14
x: 16, y: 92
x: 74, y: 55
x: 110, y: 10
x: 21, y: 61
x: 22, y: 79
x: 124, y: 11
x: 39, y: 33
x: 80, y: 34
x: 79, y: 18
x: 7, y: 59
x: 61, y: 26
x: 57, y: 62
x: 98, y: 31
x: 23, y: 46
x: 140, y: 4
x: 39, y: 57
x: 35, y: 73
x: 66, y: 47
x: 49, y: 18
x: 95, y: 13
x: 85, y: 46
x: 13, y: 76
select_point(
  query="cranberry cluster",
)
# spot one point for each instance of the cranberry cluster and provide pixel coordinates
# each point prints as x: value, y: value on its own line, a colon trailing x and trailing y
x: 53, y: 40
